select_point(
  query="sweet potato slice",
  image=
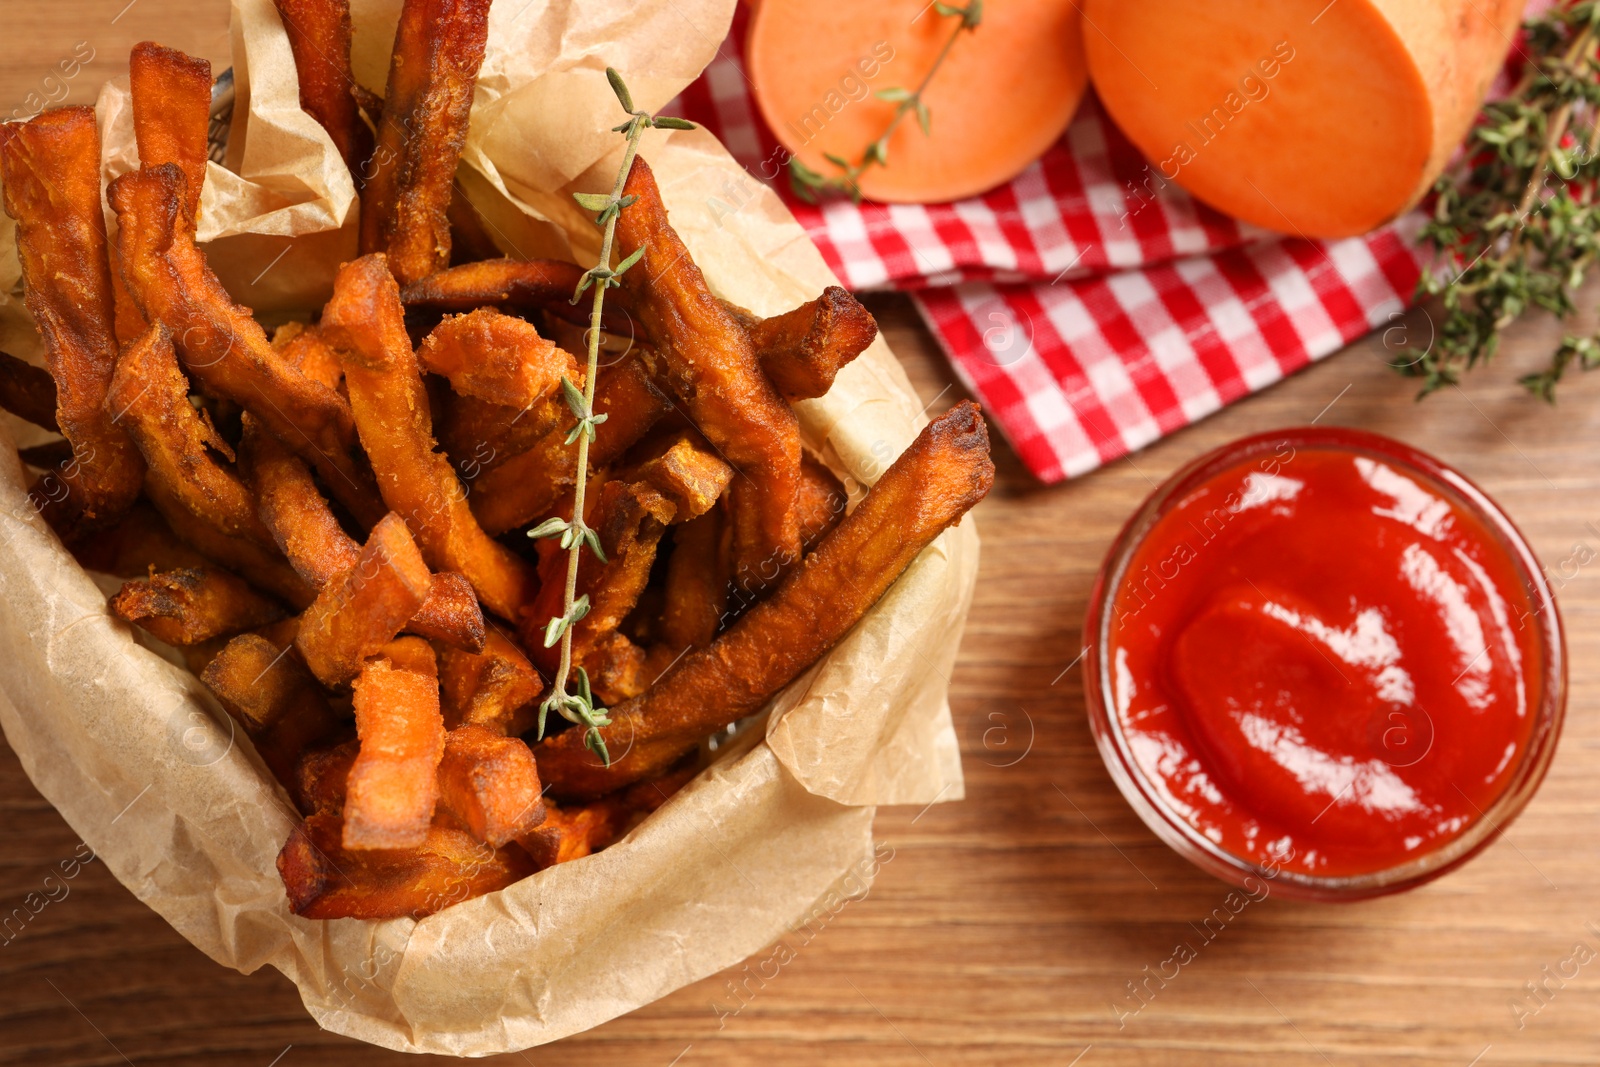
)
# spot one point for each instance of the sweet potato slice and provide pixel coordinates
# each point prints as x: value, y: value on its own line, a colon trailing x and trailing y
x: 1312, y: 119
x: 365, y: 323
x: 708, y: 361
x: 193, y: 605
x: 438, y: 48
x: 319, y: 37
x: 362, y: 609
x: 494, y: 357
x: 28, y: 392
x: 944, y: 472
x: 527, y: 487
x: 50, y: 166
x: 321, y: 777
x: 479, y: 436
x: 803, y: 350
x: 324, y: 880
x: 393, y: 783
x: 137, y: 543
x: 269, y: 691
x: 171, y: 94
x: 307, y: 531
x: 495, y: 688
x: 1011, y: 86
x: 570, y: 833
x: 490, y: 783
x: 221, y: 344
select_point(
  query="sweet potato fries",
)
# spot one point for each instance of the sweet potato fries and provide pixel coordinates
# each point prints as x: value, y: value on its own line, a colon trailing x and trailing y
x: 330, y: 525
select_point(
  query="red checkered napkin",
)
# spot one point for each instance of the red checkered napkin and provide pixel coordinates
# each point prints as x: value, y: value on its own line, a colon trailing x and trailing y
x: 1091, y: 308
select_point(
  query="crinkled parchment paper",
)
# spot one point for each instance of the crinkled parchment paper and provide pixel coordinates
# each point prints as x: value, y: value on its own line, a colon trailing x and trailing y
x: 148, y: 770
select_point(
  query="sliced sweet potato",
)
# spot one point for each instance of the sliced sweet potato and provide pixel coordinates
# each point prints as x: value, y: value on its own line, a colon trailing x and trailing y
x: 264, y: 685
x: 496, y: 688
x: 319, y: 37
x: 495, y: 358
x: 28, y: 392
x: 393, y: 783
x: 803, y: 350
x: 490, y: 783
x: 1310, y: 118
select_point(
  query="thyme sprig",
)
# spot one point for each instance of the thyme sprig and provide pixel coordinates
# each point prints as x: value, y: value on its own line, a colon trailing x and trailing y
x: 579, y: 707
x: 1517, y: 223
x: 810, y: 185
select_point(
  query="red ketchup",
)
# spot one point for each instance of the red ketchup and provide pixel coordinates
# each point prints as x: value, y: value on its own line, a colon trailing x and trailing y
x: 1323, y: 661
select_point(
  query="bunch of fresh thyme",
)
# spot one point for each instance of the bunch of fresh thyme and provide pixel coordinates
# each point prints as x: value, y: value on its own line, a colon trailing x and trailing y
x: 579, y: 707
x: 1516, y: 225
x: 809, y: 185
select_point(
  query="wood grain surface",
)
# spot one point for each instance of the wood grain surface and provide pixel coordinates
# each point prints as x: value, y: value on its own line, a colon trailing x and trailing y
x: 1007, y: 928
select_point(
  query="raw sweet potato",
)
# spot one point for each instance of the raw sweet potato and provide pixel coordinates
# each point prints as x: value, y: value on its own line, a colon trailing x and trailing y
x: 1004, y: 94
x: 1311, y: 118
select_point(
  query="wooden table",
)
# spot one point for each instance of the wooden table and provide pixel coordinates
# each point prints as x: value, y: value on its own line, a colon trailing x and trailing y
x: 1008, y: 927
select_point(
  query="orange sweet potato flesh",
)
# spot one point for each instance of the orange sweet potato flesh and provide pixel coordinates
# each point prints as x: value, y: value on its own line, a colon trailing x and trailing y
x: 438, y: 47
x: 193, y: 605
x: 944, y: 472
x: 495, y: 688
x: 308, y: 352
x: 526, y: 488
x: 495, y: 358
x: 362, y: 609
x: 50, y: 166
x: 366, y: 324
x: 171, y: 95
x: 1004, y: 94
x: 220, y: 342
x: 393, y: 785
x: 698, y: 573
x: 28, y: 392
x: 708, y: 361
x: 1309, y: 118
x: 307, y: 531
x: 319, y: 37
x: 324, y: 880
x: 269, y: 691
x: 490, y: 783
x: 803, y: 350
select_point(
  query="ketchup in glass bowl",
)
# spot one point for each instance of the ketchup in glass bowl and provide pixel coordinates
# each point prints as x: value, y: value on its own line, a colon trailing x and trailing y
x: 1322, y: 657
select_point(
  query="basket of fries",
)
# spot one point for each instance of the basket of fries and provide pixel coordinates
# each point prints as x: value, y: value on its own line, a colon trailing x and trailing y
x: 454, y: 557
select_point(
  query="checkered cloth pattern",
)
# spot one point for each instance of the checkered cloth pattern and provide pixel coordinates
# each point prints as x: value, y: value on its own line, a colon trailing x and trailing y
x: 1092, y: 308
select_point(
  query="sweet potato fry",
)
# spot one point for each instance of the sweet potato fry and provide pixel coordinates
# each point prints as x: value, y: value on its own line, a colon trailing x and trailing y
x: 821, y: 504
x: 305, y: 528
x: 172, y: 114
x: 28, y: 392
x: 136, y: 543
x: 50, y: 166
x: 48, y: 456
x: 708, y: 361
x: 193, y: 605
x: 363, y: 608
x: 803, y: 350
x: 490, y: 783
x: 319, y: 37
x: 149, y: 397
x: 438, y: 48
x: 698, y: 573
x: 523, y: 285
x: 365, y: 323
x: 527, y: 487
x: 496, y: 688
x: 321, y: 777
x: 570, y: 833
x: 393, y: 784
x: 479, y: 436
x: 305, y: 350
x: 470, y: 239
x: 261, y: 567
x: 495, y: 358
x: 324, y: 880
x: 222, y: 345
x: 269, y: 691
x: 929, y: 488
